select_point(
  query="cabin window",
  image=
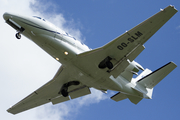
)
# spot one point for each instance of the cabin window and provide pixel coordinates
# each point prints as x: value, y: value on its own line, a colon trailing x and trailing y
x: 39, y: 18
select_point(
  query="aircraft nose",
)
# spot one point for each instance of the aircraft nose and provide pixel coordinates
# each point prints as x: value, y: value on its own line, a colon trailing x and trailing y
x: 6, y: 16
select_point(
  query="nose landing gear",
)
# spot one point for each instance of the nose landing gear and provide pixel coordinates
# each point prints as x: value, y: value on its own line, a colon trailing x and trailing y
x: 18, y: 35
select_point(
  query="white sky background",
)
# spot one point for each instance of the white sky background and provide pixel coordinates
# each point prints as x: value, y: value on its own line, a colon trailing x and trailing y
x: 24, y: 67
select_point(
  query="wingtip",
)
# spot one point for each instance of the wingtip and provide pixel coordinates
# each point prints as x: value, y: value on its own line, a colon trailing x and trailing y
x: 170, y: 6
x: 173, y: 7
x: 10, y: 111
x: 173, y: 64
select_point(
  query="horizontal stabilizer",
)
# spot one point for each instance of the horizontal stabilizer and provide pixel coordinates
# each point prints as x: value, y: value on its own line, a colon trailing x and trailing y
x: 134, y: 99
x: 118, y: 97
x: 155, y: 77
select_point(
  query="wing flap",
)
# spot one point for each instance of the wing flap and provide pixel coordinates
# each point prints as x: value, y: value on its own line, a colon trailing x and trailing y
x: 59, y: 99
x: 123, y: 63
x: 135, y: 52
x: 75, y: 93
x: 79, y: 92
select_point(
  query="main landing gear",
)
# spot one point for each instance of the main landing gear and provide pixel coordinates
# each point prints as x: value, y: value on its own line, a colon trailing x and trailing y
x: 64, y: 89
x: 18, y: 35
x: 106, y: 63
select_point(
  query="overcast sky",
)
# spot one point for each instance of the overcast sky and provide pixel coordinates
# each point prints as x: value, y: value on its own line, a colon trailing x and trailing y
x: 24, y: 67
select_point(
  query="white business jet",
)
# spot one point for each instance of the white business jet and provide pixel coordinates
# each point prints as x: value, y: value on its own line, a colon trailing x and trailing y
x: 110, y: 67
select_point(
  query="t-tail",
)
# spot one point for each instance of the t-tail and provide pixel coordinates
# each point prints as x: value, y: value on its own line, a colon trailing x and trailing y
x: 144, y: 84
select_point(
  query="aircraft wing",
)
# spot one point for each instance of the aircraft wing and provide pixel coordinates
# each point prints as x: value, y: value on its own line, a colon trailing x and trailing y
x: 49, y: 92
x: 125, y: 47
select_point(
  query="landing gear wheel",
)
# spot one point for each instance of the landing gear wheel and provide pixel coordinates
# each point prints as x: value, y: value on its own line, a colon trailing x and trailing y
x: 18, y: 35
x: 64, y: 89
x: 64, y: 92
x: 109, y: 65
x: 106, y: 63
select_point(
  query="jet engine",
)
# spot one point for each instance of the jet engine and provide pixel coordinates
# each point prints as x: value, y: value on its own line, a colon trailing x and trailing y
x: 134, y: 67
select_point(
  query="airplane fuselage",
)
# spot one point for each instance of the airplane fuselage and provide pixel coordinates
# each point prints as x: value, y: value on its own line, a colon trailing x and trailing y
x: 63, y: 48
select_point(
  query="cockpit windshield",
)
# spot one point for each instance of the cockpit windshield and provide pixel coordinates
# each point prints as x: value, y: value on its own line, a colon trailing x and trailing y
x: 39, y: 18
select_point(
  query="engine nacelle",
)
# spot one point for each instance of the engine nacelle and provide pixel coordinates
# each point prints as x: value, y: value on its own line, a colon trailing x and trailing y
x: 134, y: 67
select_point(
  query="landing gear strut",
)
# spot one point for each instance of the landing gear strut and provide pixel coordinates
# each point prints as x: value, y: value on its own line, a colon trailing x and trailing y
x: 64, y: 89
x: 18, y: 35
